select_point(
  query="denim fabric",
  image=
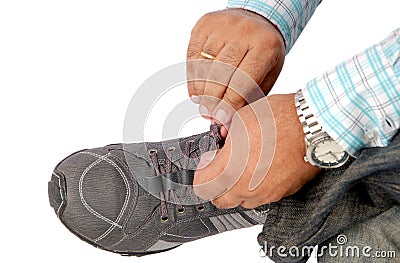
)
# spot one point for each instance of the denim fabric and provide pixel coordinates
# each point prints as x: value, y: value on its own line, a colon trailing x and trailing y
x: 375, y: 240
x: 337, y: 199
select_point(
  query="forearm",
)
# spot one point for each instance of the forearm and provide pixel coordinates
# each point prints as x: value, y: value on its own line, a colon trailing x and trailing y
x: 358, y: 102
x: 290, y: 16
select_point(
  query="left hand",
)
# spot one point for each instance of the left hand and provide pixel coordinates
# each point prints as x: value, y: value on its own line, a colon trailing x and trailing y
x: 249, y: 54
x: 232, y: 174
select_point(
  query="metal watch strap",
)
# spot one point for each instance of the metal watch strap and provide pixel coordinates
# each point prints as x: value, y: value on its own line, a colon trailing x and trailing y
x: 310, y: 124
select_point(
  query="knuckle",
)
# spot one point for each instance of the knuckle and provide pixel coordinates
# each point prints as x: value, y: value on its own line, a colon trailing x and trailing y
x: 271, y: 42
x: 204, y: 21
x: 256, y: 70
x: 218, y: 78
x: 247, y: 195
x: 193, y: 48
x: 233, y: 53
x: 201, y: 72
x: 247, y: 26
x: 242, y: 79
x: 207, y: 16
x: 217, y: 203
x: 210, y: 102
x: 194, y: 90
x: 206, y: 99
x: 198, y: 88
x: 211, y: 47
x: 190, y: 71
x: 222, y: 204
x: 233, y: 99
x: 191, y: 90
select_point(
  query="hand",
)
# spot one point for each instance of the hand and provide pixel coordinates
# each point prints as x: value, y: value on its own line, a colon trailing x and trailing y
x: 240, y: 39
x: 226, y: 178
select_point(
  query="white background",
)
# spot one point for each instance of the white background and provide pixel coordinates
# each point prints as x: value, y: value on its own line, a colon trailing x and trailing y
x: 67, y: 72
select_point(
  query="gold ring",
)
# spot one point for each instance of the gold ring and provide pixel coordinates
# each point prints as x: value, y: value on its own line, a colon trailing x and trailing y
x: 206, y: 55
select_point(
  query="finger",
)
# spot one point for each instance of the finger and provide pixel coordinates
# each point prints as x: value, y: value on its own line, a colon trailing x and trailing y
x: 226, y: 201
x: 224, y: 131
x: 221, y: 71
x: 252, y: 203
x: 212, y: 46
x: 244, y: 81
x: 224, y: 116
x: 205, y: 160
x: 197, y: 41
x: 208, y: 170
x: 226, y: 169
x: 223, y: 113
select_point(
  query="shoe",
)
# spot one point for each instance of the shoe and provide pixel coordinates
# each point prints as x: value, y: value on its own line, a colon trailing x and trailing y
x: 137, y: 199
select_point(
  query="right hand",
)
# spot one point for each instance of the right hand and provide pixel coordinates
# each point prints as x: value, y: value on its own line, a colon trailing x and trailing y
x: 239, y: 38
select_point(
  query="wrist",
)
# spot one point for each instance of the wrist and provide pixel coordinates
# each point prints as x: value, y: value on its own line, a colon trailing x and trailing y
x: 290, y: 137
x: 321, y: 149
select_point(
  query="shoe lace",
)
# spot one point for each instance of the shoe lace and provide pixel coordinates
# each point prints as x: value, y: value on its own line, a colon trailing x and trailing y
x: 167, y: 169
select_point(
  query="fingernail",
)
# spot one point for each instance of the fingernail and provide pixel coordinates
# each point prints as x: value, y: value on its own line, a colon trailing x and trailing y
x: 221, y: 116
x: 195, y: 99
x: 223, y: 132
x: 203, y: 110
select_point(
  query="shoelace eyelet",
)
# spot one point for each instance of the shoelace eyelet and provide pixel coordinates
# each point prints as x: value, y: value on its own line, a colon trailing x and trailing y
x: 167, y: 168
x: 181, y: 210
x: 164, y: 218
x: 200, y: 208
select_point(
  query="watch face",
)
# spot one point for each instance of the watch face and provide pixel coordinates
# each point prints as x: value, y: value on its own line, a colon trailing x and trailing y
x: 326, y: 153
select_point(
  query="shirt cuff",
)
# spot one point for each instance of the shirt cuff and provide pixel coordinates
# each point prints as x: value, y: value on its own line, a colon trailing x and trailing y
x: 358, y: 102
x: 290, y: 16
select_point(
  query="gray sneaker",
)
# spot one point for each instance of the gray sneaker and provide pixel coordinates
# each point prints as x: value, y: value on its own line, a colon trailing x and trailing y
x: 136, y: 199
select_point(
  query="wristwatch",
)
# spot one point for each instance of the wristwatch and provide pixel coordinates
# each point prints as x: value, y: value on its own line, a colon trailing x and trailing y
x: 321, y: 150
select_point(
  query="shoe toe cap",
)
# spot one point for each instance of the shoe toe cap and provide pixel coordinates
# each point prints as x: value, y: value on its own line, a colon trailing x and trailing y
x: 91, y: 193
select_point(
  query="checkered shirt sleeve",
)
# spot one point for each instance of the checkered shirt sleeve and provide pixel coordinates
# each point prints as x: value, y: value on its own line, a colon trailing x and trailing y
x: 358, y: 101
x: 290, y: 16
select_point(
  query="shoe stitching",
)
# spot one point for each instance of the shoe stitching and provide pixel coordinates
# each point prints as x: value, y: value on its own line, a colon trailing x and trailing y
x: 127, y: 197
x: 124, y: 207
x: 84, y: 203
x: 204, y: 235
x: 177, y: 223
x: 91, y: 210
x: 61, y: 194
x: 135, y: 186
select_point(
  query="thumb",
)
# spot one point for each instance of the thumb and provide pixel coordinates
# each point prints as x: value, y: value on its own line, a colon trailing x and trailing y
x: 206, y: 159
x: 207, y: 178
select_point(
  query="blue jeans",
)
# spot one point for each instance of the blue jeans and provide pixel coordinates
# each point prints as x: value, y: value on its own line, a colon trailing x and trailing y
x: 375, y: 240
x: 360, y: 201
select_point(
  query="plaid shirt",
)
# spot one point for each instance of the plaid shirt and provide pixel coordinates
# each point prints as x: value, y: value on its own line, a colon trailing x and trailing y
x: 358, y: 102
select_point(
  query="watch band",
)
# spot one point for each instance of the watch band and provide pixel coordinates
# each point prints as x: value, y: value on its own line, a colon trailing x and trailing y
x: 310, y: 124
